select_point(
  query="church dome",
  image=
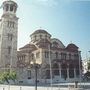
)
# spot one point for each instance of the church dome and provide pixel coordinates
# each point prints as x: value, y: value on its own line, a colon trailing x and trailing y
x: 57, y: 43
x: 40, y: 31
x: 72, y: 47
x: 39, y: 34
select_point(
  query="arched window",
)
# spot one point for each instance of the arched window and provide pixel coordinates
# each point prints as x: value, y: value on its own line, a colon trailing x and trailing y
x: 69, y: 56
x: 71, y: 71
x: 32, y: 56
x: 35, y: 37
x: 56, y: 54
x: 63, y: 56
x: 11, y: 7
x: 10, y: 36
x: 76, y: 56
x: 46, y: 54
x: 56, y: 69
x: 9, y: 49
x: 47, y: 74
x: 77, y: 71
x: 13, y: 24
x: 64, y: 71
x: 7, y: 7
x: 40, y: 36
x: 28, y: 74
x: 45, y: 36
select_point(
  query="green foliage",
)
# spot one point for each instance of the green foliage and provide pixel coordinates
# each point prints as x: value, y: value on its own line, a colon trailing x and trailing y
x: 6, y: 76
x: 2, y: 79
x: 12, y: 75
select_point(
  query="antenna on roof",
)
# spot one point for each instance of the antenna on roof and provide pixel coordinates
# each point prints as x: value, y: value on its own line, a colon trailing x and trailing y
x: 40, y: 27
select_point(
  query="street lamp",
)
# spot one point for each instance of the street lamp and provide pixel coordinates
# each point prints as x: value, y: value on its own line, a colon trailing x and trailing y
x: 36, y: 66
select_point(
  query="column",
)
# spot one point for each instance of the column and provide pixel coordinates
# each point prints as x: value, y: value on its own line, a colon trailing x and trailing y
x: 74, y: 72
x: 9, y: 8
x: 68, y: 71
x: 60, y: 70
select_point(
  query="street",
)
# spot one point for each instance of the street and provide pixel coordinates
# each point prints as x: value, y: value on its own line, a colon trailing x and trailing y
x: 61, y: 86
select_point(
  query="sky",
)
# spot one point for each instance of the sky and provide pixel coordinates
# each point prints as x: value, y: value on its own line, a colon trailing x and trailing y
x: 66, y: 20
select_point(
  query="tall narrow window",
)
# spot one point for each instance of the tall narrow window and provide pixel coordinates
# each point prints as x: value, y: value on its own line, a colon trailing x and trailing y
x: 32, y: 56
x: 35, y: 37
x: 13, y: 24
x: 10, y: 23
x: 10, y: 36
x: 7, y: 23
x: 45, y: 36
x: 40, y: 36
x: 63, y: 56
x: 56, y: 54
x: 46, y: 54
x: 29, y: 74
x: 7, y: 7
x: 47, y: 74
x: 9, y: 49
x: 11, y: 8
x: 69, y: 56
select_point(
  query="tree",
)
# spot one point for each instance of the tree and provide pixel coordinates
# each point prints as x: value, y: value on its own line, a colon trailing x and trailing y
x: 87, y: 74
x: 6, y: 76
x: 12, y: 75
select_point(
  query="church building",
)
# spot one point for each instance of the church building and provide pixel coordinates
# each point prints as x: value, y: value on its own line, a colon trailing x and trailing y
x: 55, y: 61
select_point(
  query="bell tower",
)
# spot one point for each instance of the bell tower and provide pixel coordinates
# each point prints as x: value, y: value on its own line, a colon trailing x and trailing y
x: 8, y: 35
